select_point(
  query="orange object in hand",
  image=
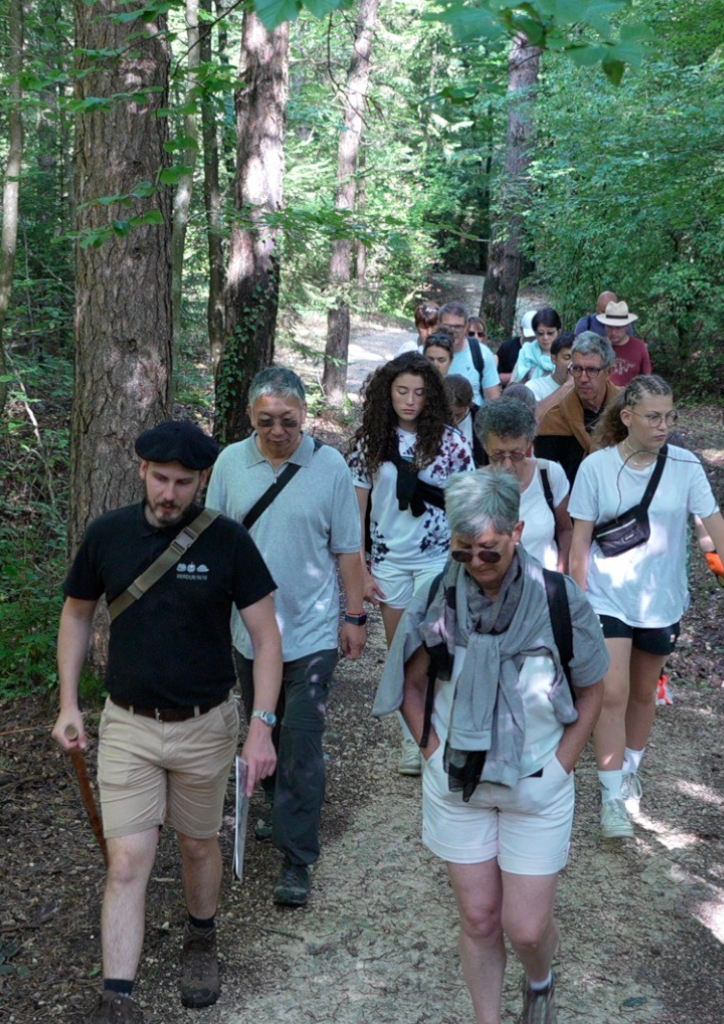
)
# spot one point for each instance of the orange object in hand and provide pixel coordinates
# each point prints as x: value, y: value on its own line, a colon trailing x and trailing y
x: 714, y: 562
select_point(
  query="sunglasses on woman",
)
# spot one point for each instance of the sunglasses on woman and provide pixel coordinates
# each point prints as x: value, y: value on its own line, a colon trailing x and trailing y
x: 465, y: 556
x: 477, y: 334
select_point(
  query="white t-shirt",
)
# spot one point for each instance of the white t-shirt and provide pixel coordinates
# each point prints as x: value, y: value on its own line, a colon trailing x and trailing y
x: 542, y: 386
x: 646, y: 586
x: 538, y: 537
x: 463, y: 363
x: 543, y: 731
x: 398, y: 537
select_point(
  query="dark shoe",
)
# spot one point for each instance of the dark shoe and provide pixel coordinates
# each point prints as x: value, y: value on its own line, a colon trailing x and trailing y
x: 115, y: 1009
x: 263, y: 830
x: 539, y: 1007
x: 292, y: 889
x: 200, y: 984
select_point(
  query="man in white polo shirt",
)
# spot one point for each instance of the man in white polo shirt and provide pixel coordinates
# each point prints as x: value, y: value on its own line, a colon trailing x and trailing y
x: 310, y: 528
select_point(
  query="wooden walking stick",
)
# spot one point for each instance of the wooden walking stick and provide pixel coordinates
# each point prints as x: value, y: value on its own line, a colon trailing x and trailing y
x: 81, y: 771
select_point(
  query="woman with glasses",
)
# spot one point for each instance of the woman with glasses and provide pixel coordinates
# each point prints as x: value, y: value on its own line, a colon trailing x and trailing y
x: 534, y: 359
x: 502, y: 737
x: 640, y: 594
x: 401, y: 459
x: 506, y: 430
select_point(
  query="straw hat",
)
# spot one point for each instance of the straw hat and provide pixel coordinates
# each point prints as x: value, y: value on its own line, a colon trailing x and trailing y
x: 616, y: 315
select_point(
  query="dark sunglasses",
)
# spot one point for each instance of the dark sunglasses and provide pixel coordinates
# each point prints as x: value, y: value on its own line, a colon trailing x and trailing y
x: 459, y: 555
x: 477, y: 334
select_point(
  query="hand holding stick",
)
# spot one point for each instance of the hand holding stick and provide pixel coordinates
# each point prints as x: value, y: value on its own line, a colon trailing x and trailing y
x: 81, y: 771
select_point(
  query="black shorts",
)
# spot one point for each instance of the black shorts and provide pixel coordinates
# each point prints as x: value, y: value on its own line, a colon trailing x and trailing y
x: 651, y: 641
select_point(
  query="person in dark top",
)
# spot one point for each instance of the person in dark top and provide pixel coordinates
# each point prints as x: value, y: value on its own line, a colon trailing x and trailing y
x: 169, y: 729
x: 508, y: 351
x: 564, y: 433
x: 592, y: 322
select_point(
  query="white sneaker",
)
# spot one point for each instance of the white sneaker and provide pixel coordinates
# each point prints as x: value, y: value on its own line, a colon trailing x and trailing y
x: 631, y: 792
x: 410, y: 759
x: 615, y: 823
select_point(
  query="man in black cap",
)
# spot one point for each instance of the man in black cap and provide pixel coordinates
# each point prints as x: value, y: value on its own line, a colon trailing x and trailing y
x: 169, y: 729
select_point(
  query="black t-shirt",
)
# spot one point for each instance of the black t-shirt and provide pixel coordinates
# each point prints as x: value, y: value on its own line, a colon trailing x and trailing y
x: 508, y: 353
x: 173, y: 645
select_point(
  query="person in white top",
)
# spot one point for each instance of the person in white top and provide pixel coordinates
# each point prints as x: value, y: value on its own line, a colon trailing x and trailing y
x: 640, y: 594
x: 401, y: 460
x: 506, y: 430
x: 547, y: 390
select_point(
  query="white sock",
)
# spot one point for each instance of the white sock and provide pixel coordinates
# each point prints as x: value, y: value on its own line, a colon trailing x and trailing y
x: 632, y: 760
x: 610, y: 783
x: 540, y: 986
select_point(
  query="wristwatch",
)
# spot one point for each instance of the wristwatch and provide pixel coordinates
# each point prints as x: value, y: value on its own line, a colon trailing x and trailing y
x: 356, y: 620
x: 267, y: 717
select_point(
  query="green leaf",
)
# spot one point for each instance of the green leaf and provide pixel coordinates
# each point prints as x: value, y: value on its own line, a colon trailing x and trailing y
x: 321, y: 8
x: 121, y: 227
x: 273, y: 12
x: 614, y: 69
x: 172, y: 175
x: 151, y: 217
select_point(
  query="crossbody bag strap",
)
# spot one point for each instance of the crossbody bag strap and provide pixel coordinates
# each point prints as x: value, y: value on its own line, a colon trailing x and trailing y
x: 165, y: 561
x: 478, y: 362
x: 655, y: 477
x: 560, y: 616
x: 274, y: 490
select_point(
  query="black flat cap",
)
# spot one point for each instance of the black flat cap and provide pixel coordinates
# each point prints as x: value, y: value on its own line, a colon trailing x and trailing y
x: 178, y: 441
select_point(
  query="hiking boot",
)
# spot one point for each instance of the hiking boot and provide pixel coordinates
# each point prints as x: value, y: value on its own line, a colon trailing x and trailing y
x: 200, y: 984
x: 116, y: 1009
x: 539, y: 1007
x: 615, y: 823
x: 263, y: 830
x: 410, y: 759
x: 631, y: 792
x: 292, y: 889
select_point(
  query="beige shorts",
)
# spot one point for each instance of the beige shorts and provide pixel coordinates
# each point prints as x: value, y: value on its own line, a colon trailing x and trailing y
x: 153, y: 772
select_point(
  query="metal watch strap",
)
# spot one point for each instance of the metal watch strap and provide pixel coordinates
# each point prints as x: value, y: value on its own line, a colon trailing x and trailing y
x: 165, y: 561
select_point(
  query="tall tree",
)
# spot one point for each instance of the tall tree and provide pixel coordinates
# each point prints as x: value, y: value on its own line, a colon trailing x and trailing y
x: 338, y: 317
x: 123, y: 260
x: 500, y: 290
x: 11, y: 187
x: 252, y: 280
x: 184, y: 184
x: 212, y: 206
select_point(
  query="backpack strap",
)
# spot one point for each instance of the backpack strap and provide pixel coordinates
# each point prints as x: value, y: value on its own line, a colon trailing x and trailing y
x: 546, y: 486
x: 436, y: 660
x: 274, y: 490
x: 165, y: 561
x: 478, y: 362
x: 560, y: 613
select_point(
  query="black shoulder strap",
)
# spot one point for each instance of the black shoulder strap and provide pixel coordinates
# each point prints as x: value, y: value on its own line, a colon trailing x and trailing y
x: 273, y: 492
x: 560, y: 613
x: 547, y: 488
x: 655, y: 477
x: 431, y: 670
x: 478, y: 362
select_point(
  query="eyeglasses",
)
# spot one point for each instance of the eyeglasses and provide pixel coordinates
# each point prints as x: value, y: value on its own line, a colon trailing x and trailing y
x: 454, y: 327
x: 484, y: 554
x: 590, y: 371
x: 477, y: 334
x: 655, y: 419
x: 499, y: 457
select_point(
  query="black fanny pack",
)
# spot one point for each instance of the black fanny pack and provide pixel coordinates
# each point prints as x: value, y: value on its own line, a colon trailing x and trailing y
x: 631, y: 528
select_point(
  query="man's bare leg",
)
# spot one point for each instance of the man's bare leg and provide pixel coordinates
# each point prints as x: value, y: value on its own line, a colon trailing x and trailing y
x: 130, y: 860
x: 202, y: 872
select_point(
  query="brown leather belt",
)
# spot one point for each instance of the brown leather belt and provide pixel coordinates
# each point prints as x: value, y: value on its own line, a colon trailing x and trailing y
x: 170, y: 714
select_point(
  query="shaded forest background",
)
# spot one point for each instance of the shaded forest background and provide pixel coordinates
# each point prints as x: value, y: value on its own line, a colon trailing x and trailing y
x: 186, y: 184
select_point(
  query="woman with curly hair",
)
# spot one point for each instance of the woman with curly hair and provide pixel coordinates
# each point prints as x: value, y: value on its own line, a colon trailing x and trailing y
x: 640, y: 593
x: 401, y: 460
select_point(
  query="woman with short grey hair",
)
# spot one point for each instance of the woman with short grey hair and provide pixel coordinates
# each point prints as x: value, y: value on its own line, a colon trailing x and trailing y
x: 477, y: 671
x: 506, y: 430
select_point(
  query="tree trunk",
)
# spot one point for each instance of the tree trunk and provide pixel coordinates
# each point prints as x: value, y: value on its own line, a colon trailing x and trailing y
x: 252, y: 282
x: 123, y: 286
x: 334, y: 379
x: 11, y: 188
x: 184, y: 186
x: 212, y: 205
x: 500, y: 290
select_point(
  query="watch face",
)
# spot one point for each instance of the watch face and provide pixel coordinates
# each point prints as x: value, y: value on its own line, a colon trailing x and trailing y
x: 267, y: 717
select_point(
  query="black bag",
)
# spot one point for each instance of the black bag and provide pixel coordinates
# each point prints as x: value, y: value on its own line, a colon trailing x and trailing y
x: 631, y: 528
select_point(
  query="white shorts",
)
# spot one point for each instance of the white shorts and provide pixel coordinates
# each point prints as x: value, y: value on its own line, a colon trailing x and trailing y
x: 527, y: 827
x: 400, y: 584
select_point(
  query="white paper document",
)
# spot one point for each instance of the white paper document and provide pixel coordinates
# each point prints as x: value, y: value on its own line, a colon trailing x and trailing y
x: 241, y: 814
